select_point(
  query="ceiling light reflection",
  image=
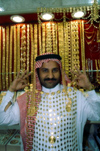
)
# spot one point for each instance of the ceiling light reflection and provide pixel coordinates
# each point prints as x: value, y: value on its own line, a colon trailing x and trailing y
x: 1, y: 9
x: 47, y: 16
x: 78, y: 14
x: 17, y: 18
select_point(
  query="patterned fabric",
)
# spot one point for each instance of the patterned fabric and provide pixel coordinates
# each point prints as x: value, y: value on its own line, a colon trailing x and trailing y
x: 28, y: 122
x: 22, y: 102
x: 53, y: 121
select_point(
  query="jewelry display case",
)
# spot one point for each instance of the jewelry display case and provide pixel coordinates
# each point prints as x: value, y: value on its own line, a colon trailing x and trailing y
x: 9, y: 140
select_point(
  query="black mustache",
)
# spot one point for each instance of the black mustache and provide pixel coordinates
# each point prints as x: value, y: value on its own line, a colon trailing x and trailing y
x: 47, y: 79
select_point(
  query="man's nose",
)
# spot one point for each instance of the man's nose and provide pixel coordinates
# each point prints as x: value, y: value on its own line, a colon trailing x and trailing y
x: 50, y: 74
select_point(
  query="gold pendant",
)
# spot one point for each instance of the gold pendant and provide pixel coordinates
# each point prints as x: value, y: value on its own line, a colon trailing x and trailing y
x: 31, y: 111
x: 68, y: 107
x: 64, y: 90
x: 52, y: 139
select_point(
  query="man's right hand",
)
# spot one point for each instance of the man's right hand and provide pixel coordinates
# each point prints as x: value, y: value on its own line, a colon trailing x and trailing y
x: 20, y: 82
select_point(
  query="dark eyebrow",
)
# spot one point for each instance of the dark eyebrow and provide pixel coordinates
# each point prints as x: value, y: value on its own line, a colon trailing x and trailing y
x: 44, y: 68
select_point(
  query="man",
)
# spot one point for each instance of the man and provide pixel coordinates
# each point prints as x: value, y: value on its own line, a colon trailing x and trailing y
x: 52, y: 115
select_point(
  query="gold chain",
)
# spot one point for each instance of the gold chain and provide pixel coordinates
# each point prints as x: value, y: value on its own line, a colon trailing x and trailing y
x: 61, y: 45
x: 3, y: 59
x: 54, y: 36
x: 7, y: 49
x: 23, y: 48
x: 43, y: 37
x: 97, y: 72
x: 40, y: 50
x: 18, y: 48
x: 28, y: 47
x: 67, y: 56
x: 32, y: 49
x: 10, y: 55
x: 82, y: 44
x: 48, y: 38
x: 15, y: 53
x: 75, y: 45
x: 35, y: 41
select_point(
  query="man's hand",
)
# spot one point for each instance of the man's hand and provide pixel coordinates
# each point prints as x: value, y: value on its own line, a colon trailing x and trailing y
x: 20, y: 82
x: 81, y: 79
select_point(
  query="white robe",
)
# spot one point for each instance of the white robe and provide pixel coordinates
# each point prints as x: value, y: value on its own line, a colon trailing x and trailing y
x: 88, y: 108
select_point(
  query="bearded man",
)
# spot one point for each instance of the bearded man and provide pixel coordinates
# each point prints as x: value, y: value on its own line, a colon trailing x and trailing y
x: 52, y: 115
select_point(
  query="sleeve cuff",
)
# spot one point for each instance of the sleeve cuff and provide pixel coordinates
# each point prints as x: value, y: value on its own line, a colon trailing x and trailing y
x: 7, y: 98
x: 9, y: 94
x: 92, y: 94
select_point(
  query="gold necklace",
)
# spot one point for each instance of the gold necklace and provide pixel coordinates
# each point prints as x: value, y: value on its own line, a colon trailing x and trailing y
x: 32, y: 109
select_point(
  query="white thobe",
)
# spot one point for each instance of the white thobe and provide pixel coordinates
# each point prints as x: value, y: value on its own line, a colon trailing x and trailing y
x: 88, y: 108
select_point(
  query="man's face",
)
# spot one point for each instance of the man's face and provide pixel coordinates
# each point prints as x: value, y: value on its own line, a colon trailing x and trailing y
x: 49, y: 74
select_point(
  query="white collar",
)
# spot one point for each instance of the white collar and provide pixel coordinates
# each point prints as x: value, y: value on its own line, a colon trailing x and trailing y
x: 56, y: 88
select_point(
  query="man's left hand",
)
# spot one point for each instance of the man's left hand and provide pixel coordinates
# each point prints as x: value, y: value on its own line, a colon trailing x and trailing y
x: 81, y: 79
